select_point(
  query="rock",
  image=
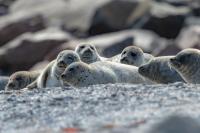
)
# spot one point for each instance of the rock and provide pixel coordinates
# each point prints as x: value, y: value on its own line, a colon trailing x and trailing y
x: 73, y: 15
x: 12, y: 26
x: 170, y: 49
x: 3, y: 82
x: 177, y: 124
x: 117, y: 15
x: 166, y: 20
x: 191, y: 21
x: 40, y: 65
x: 111, y: 44
x: 30, y: 48
x: 189, y: 37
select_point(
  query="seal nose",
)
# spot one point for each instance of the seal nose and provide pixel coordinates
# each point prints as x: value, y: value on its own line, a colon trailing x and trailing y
x: 61, y: 64
x: 63, y: 76
x: 175, y: 62
x: 88, y: 51
x: 172, y: 60
x: 124, y: 60
x: 141, y: 69
x: 11, y: 85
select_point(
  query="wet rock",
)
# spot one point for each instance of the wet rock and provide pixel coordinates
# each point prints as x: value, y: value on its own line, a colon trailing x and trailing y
x: 177, y: 124
x: 189, y: 37
x: 166, y: 20
x: 30, y: 48
x: 12, y: 26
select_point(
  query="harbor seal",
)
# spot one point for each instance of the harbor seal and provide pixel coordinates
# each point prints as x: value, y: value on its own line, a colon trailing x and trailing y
x: 50, y: 76
x: 21, y: 79
x: 80, y: 74
x: 159, y: 70
x: 133, y: 55
x: 88, y: 53
x: 187, y: 64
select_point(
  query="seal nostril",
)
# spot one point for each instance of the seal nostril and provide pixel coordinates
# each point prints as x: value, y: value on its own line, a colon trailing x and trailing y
x: 11, y: 85
x: 141, y: 69
x: 63, y: 76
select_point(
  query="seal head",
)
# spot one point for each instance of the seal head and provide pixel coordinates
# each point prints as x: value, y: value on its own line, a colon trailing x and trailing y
x: 64, y: 59
x: 18, y: 81
x: 132, y: 55
x: 187, y: 64
x: 87, y: 53
x: 76, y: 73
x: 160, y: 71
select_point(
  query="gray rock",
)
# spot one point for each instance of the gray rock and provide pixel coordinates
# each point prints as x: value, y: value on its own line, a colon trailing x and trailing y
x: 28, y: 49
x: 117, y: 15
x: 73, y: 15
x: 12, y: 26
x: 110, y: 44
x: 166, y: 20
x: 189, y: 37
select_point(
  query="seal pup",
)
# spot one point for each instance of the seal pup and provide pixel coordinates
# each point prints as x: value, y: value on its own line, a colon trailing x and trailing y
x: 159, y: 70
x: 88, y: 53
x: 133, y: 55
x: 50, y: 76
x: 80, y: 74
x: 187, y: 64
x: 21, y: 79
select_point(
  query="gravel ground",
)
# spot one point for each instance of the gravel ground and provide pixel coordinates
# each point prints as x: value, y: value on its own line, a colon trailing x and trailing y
x: 102, y: 108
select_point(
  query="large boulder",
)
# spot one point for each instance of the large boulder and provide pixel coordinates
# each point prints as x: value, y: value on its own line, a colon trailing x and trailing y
x: 73, y: 15
x: 118, y: 15
x: 166, y: 20
x: 111, y: 44
x: 12, y: 26
x: 30, y: 48
x: 189, y: 37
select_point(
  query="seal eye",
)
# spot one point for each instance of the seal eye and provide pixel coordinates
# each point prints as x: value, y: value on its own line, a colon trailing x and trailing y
x: 124, y: 53
x: 19, y: 78
x: 82, y: 47
x: 133, y: 54
x: 71, y: 69
x: 70, y: 58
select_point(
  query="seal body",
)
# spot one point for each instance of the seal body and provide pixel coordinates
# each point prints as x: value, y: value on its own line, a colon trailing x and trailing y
x: 88, y: 53
x: 80, y: 74
x: 160, y: 71
x: 133, y: 55
x: 50, y: 76
x: 21, y: 79
x: 187, y: 64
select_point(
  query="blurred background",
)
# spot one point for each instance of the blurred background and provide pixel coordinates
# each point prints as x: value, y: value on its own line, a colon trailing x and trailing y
x: 33, y: 32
